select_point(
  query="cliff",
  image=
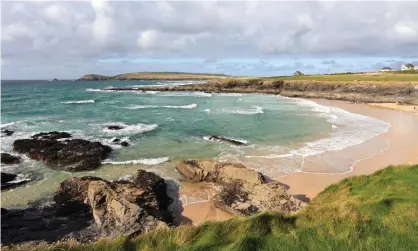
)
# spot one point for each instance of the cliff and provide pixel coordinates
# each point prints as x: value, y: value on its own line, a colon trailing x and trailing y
x: 376, y: 92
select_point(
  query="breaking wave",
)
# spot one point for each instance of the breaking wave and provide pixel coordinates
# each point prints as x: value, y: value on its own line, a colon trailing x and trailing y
x: 134, y: 107
x: 90, y: 101
x: 151, y: 161
x: 129, y: 129
x: 245, y: 111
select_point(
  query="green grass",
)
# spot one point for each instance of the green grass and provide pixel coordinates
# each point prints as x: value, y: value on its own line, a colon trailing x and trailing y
x: 401, y: 76
x: 375, y: 212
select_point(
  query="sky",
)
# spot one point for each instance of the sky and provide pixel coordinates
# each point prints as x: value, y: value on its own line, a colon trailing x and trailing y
x: 65, y: 40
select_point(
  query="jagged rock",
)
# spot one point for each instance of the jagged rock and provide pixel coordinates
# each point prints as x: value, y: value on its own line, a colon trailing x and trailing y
x: 52, y: 135
x: 120, y: 207
x: 9, y: 159
x: 68, y: 155
x: 223, y: 139
x: 7, y: 132
x: 9, y: 181
x: 119, y: 142
x: 7, y: 177
x: 114, y: 127
x: 245, y: 192
x: 212, y: 171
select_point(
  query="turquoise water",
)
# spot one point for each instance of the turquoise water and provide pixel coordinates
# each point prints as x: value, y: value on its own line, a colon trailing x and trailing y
x: 165, y: 127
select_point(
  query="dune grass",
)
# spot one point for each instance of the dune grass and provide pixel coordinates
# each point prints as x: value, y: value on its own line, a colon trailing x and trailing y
x: 375, y: 212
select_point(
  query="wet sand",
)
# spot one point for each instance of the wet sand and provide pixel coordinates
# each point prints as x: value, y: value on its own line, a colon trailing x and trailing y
x: 401, y: 147
x: 401, y: 137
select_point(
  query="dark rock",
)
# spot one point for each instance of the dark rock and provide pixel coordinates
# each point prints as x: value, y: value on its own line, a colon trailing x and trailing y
x: 124, y: 144
x: 71, y: 155
x: 226, y: 140
x: 116, y: 140
x: 245, y: 191
x: 119, y: 142
x: 9, y: 159
x: 9, y: 181
x: 52, y: 135
x: 7, y: 177
x: 7, y: 132
x: 114, y: 127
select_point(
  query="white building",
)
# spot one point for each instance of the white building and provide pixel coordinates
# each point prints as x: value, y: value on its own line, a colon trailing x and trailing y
x: 408, y: 67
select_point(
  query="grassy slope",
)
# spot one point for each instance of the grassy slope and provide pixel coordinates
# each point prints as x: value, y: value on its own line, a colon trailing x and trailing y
x: 375, y: 212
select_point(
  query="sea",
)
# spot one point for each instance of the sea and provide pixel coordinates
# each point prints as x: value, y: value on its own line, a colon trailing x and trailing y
x: 281, y: 134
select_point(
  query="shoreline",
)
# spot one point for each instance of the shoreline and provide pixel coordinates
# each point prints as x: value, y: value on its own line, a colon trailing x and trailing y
x: 308, y: 183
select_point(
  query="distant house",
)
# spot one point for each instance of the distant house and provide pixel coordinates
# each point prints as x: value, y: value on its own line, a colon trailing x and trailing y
x: 408, y: 67
x: 386, y: 69
x: 298, y: 73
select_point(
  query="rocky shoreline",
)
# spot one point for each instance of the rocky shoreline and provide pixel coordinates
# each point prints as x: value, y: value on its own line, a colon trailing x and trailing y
x: 89, y: 208
x: 369, y: 92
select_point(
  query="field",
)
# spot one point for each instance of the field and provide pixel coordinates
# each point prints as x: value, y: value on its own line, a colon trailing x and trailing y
x: 375, y: 212
x: 399, y: 76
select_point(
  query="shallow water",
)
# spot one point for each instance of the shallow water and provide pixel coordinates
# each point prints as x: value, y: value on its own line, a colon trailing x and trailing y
x: 162, y: 128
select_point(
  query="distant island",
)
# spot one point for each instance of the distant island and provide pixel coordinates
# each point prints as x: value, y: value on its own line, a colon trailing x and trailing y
x: 153, y: 76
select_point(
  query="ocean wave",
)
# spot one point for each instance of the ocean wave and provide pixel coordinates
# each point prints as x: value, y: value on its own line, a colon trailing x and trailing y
x: 129, y: 129
x: 134, y: 107
x: 245, y: 111
x: 349, y: 129
x: 151, y: 161
x: 90, y: 101
x: 184, y: 94
x: 7, y: 125
x: 229, y: 94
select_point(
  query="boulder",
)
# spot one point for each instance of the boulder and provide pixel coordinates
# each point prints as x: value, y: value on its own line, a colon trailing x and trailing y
x: 52, y: 135
x: 120, y: 207
x: 114, y: 127
x: 124, y: 144
x: 212, y: 171
x: 7, y: 132
x: 244, y: 192
x: 240, y: 198
x: 226, y: 140
x: 119, y: 142
x: 9, y: 181
x: 9, y: 159
x: 68, y: 155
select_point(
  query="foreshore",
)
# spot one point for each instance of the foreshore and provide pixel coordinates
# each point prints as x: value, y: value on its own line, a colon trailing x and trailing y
x: 311, y: 181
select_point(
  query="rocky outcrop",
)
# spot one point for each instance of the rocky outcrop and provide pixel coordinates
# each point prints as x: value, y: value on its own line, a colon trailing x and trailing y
x: 9, y: 181
x: 89, y: 208
x: 120, y: 142
x: 52, y: 135
x: 114, y: 127
x: 68, y: 155
x: 120, y: 207
x: 212, y: 171
x: 245, y: 191
x: 7, y: 132
x: 9, y: 159
x: 226, y: 140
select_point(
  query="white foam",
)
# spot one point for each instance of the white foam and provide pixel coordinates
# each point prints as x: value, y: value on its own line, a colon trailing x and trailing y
x: 229, y: 94
x: 206, y: 110
x: 89, y: 101
x: 348, y: 129
x: 218, y: 140
x: 134, y: 107
x: 185, y: 94
x: 151, y: 161
x: 7, y: 124
x: 245, y: 111
x: 20, y: 178
x: 129, y: 129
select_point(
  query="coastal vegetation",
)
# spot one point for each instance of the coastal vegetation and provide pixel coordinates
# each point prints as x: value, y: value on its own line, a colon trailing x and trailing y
x: 374, y: 212
x: 153, y: 76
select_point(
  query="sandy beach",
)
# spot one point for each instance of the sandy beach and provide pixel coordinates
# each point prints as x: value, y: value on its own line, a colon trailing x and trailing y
x: 402, y: 149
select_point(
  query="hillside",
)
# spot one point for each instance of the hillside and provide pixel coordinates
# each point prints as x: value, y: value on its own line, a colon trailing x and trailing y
x: 153, y: 76
x: 374, y: 212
